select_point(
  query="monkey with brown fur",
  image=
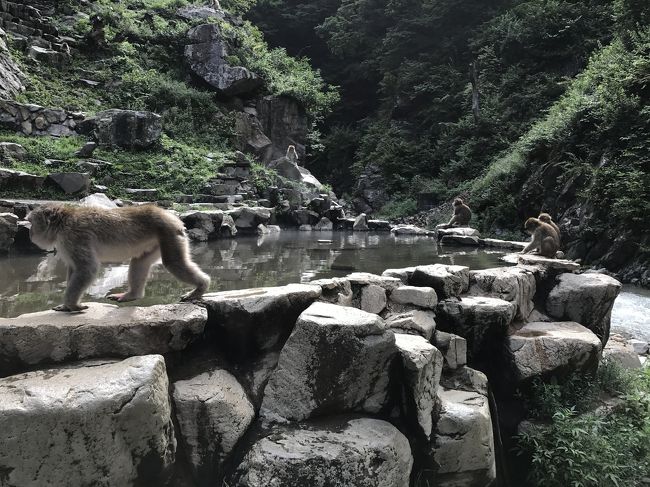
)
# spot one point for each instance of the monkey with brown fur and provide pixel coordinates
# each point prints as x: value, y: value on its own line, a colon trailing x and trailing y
x: 545, y: 239
x: 84, y: 237
x: 462, y: 215
x: 546, y: 218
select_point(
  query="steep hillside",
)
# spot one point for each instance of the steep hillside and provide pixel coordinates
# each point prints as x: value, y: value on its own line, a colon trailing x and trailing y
x: 206, y: 72
x: 521, y: 106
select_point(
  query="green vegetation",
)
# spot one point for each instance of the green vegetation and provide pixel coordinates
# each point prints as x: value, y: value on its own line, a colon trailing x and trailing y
x: 562, y: 115
x: 140, y: 66
x: 571, y: 445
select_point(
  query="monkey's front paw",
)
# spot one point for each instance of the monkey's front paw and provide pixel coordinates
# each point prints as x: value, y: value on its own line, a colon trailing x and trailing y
x: 70, y: 309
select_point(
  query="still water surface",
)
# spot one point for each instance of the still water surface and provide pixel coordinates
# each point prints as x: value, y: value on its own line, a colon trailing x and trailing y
x: 36, y: 282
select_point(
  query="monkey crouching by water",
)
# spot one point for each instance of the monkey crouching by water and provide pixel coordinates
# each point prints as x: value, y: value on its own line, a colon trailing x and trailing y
x: 85, y: 237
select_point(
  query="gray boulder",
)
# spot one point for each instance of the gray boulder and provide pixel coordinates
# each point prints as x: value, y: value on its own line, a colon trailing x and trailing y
x: 98, y: 200
x: 335, y: 290
x: 453, y: 348
x: 11, y: 78
x: 356, y: 381
x: 70, y: 182
x: 553, y: 349
x: 585, y: 298
x: 361, y: 223
x: 457, y: 232
x: 95, y: 420
x: 292, y: 171
x: 412, y: 230
x: 324, y: 225
x: 207, y: 56
x: 372, y: 298
x: 448, y: 280
x: 10, y: 179
x: 252, y: 321
x: 247, y: 218
x: 414, y: 322
x: 460, y: 240
x: 480, y: 320
x: 103, y: 330
x: 10, y: 152
x: 285, y: 121
x: 128, y: 129
x: 340, y: 453
x: 422, y: 366
x: 213, y: 413
x: 8, y: 231
x: 422, y: 297
x: 402, y: 274
x: 621, y: 352
x: 514, y: 284
x: 463, y: 444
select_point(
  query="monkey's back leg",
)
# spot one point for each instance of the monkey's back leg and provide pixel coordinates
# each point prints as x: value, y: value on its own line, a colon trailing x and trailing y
x: 82, y: 268
x: 138, y: 274
x: 176, y: 259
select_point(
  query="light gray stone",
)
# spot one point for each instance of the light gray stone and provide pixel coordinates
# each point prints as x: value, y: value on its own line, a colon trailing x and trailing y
x: 503, y: 244
x: 422, y: 297
x: 460, y: 240
x: 412, y: 230
x: 256, y: 320
x: 621, y: 352
x: 213, y: 413
x: 100, y: 421
x: 422, y: 365
x: 373, y: 298
x: 585, y: 298
x: 458, y: 232
x: 359, y: 279
x: 463, y: 445
x: 99, y: 200
x: 335, y: 290
x: 360, y: 223
x: 70, y: 182
x: 549, y: 349
x: 128, y: 129
x: 12, y: 152
x: 308, y: 381
x: 360, y: 452
x: 560, y: 265
x: 101, y: 330
x: 402, y: 274
x: 641, y: 347
x: 413, y: 322
x: 453, y: 348
x: 514, y: 284
x: 448, y: 280
x: 324, y: 225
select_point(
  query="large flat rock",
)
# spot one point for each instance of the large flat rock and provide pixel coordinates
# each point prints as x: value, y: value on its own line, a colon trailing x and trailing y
x: 103, y: 330
x: 97, y: 423
x: 514, y: 284
x: 447, y: 280
x: 586, y: 298
x: 252, y: 321
x: 336, y: 360
x: 553, y: 349
x: 341, y: 453
x: 213, y: 413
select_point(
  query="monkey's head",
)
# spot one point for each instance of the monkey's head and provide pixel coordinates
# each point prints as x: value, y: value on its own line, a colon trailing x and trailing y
x: 531, y: 225
x: 545, y: 217
x: 458, y: 202
x: 45, y: 222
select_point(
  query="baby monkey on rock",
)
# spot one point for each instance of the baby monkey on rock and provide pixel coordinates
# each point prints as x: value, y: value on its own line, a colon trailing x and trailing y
x: 85, y: 237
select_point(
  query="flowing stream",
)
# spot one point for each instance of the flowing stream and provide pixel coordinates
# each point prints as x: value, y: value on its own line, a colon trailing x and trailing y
x: 36, y: 282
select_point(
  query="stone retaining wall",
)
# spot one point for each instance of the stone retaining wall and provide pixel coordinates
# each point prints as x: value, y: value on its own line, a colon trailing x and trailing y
x: 30, y: 119
x: 365, y: 380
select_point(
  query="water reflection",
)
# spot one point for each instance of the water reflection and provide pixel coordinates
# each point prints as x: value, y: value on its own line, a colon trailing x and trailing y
x: 32, y: 283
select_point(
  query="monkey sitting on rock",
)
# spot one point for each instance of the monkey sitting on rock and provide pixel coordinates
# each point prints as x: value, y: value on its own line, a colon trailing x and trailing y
x: 84, y: 237
x: 545, y: 239
x: 462, y: 215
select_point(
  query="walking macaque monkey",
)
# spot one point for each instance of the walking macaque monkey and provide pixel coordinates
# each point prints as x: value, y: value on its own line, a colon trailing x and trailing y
x: 84, y: 237
x: 545, y: 238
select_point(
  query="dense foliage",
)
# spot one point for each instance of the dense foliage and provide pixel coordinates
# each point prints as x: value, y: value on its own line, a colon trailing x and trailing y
x: 571, y: 445
x: 473, y: 97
